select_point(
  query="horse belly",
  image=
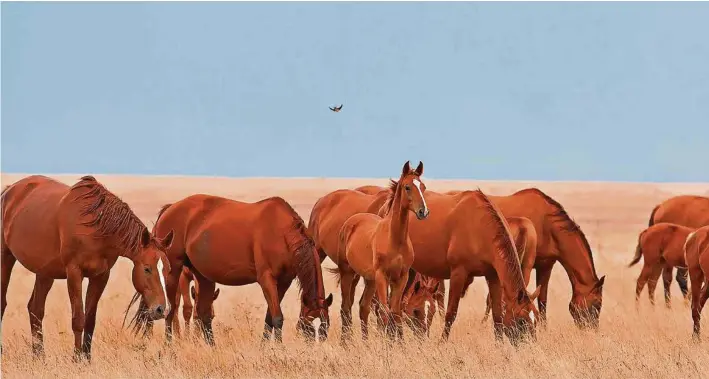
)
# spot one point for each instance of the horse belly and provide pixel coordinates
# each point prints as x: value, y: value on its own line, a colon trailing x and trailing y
x: 34, y: 242
x: 223, y: 258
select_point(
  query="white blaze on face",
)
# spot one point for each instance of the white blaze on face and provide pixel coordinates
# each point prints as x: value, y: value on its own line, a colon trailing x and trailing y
x: 162, y: 283
x: 531, y: 316
x: 417, y: 183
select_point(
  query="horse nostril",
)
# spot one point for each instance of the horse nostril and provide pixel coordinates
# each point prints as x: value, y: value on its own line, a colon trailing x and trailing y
x: 160, y: 310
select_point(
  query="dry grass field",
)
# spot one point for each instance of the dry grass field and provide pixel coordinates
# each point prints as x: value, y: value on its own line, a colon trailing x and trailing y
x: 644, y: 343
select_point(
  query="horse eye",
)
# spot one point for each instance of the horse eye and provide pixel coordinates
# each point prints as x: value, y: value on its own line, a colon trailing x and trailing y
x: 407, y: 187
x: 147, y: 270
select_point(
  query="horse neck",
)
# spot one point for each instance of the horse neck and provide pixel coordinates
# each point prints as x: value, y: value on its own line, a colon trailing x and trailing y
x: 398, y: 219
x: 577, y: 262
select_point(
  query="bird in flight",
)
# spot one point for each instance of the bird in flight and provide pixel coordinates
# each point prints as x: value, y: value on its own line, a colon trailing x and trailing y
x: 336, y: 109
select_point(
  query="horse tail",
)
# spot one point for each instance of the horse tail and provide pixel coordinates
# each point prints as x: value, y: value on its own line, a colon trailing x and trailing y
x: 638, y: 249
x: 652, y: 216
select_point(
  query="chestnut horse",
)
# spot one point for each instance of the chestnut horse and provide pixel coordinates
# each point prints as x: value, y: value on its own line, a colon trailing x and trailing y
x: 661, y: 246
x: 559, y: 239
x: 467, y: 236
x: 185, y: 292
x: 72, y: 233
x: 696, y: 252
x: 370, y: 189
x: 686, y: 210
x: 423, y: 290
x: 379, y: 250
x: 235, y: 243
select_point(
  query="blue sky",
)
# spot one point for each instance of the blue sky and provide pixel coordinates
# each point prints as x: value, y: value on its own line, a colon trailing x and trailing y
x: 547, y: 91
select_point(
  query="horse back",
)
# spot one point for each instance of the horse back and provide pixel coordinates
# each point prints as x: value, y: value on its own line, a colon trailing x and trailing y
x: 687, y: 210
x: 30, y: 220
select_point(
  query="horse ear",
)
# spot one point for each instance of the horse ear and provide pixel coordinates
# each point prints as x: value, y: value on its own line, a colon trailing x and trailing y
x: 194, y: 293
x: 419, y: 169
x: 328, y: 300
x: 145, y: 237
x: 167, y: 241
x: 599, y: 284
x: 406, y: 169
x: 535, y: 294
x: 216, y: 294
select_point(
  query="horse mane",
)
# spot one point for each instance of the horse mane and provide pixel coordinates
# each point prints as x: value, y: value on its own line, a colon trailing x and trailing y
x: 503, y: 240
x: 393, y: 187
x: 112, y: 216
x: 303, y: 247
x: 567, y: 223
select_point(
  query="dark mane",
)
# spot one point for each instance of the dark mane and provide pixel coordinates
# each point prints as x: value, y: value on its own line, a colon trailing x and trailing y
x: 112, y: 217
x: 307, y: 264
x: 503, y: 240
x: 567, y: 223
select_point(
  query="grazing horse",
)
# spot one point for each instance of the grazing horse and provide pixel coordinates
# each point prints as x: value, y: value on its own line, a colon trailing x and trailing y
x: 235, y: 243
x: 379, y: 250
x: 662, y: 246
x: 72, y: 233
x: 423, y: 290
x: 696, y: 251
x: 686, y: 210
x: 185, y: 291
x: 559, y: 239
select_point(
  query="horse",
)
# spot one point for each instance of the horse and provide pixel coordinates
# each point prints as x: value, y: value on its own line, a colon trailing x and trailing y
x: 560, y: 239
x: 62, y: 232
x: 331, y: 211
x: 696, y: 253
x: 686, y: 210
x: 466, y: 236
x: 236, y: 243
x: 424, y: 290
x: 662, y: 246
x: 379, y: 250
x: 185, y: 291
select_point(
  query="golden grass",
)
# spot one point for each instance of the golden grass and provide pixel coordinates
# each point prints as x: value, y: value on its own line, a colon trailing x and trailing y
x: 645, y: 343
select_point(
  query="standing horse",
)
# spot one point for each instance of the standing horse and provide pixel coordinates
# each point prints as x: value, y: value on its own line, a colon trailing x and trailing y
x: 696, y: 251
x: 184, y: 293
x: 686, y: 210
x: 662, y: 246
x: 379, y: 250
x: 72, y: 233
x: 559, y: 239
x: 235, y: 243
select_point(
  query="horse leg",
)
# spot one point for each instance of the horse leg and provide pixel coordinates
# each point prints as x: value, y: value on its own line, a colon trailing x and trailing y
x: 495, y: 292
x: 270, y: 292
x: 652, y: 283
x: 667, y: 283
x: 172, y: 282
x: 346, y: 285
x: 397, y: 291
x: 183, y: 294
x: 93, y: 294
x: 543, y: 274
x: 365, y: 304
x: 457, y: 283
x: 488, y: 306
x: 643, y: 278
x: 381, y: 284
x: 7, y: 262
x: 697, y: 278
x: 36, y: 307
x: 203, y: 306
x: 682, y: 281
x: 268, y: 321
x: 74, y: 277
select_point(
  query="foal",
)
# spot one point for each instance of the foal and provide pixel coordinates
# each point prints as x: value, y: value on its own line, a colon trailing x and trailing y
x: 379, y: 250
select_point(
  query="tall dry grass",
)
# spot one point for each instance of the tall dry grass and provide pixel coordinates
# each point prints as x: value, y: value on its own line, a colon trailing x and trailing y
x: 644, y: 343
